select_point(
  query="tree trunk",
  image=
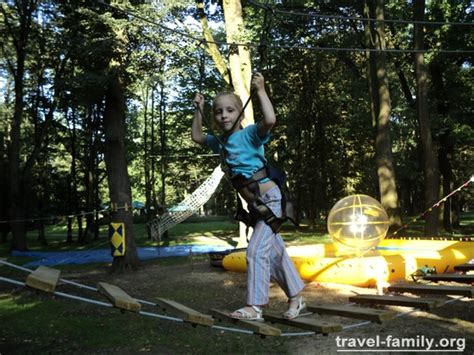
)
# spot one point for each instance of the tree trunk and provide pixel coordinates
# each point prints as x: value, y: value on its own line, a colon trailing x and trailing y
x: 73, y: 204
x: 239, y: 56
x: 4, y: 198
x: 382, y: 105
x: 446, y: 170
x: 69, y: 230
x: 25, y: 11
x: 211, y: 47
x: 241, y: 73
x: 446, y: 145
x: 41, y: 234
x: 117, y: 174
x: 431, y: 170
x: 80, y: 230
x: 146, y: 161
x: 163, y: 144
x: 154, y: 198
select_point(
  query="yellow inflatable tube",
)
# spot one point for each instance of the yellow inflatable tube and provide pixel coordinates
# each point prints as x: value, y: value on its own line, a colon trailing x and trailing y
x: 393, y: 260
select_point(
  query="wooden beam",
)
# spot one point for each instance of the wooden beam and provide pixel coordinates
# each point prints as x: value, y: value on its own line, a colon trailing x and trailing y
x: 187, y: 314
x: 421, y: 303
x: 119, y: 297
x: 43, y: 278
x: 315, y: 325
x: 464, y: 267
x: 257, y: 327
x: 465, y: 291
x: 374, y: 315
x: 450, y: 277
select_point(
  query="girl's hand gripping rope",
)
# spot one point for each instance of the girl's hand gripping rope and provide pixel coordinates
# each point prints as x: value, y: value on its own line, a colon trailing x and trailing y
x: 199, y: 102
x: 258, y: 82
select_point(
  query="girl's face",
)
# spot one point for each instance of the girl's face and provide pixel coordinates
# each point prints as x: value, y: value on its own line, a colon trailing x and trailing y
x: 226, y: 112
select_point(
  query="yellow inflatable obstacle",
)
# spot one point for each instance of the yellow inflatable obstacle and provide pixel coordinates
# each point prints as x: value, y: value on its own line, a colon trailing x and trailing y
x: 393, y: 259
x: 360, y: 256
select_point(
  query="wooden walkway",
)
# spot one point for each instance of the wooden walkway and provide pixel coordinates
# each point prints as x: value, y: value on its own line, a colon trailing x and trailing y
x: 46, y: 279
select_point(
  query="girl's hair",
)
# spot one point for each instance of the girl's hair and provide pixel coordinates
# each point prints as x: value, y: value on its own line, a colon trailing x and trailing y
x: 235, y: 97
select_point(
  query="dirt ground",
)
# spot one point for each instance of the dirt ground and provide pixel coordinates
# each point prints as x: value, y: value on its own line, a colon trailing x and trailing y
x: 197, y: 284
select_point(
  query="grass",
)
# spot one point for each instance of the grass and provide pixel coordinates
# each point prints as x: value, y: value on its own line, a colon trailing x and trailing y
x: 40, y: 324
x: 199, y: 231
x: 43, y: 323
x: 206, y: 230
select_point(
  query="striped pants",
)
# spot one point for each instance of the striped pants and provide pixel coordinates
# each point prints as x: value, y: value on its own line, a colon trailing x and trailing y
x: 267, y: 258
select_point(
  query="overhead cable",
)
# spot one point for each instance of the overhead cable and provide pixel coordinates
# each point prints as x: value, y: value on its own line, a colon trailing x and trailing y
x: 357, y: 18
x: 288, y: 47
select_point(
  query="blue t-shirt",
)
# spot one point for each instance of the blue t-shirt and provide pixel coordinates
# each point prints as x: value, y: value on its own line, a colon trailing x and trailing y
x: 244, y: 150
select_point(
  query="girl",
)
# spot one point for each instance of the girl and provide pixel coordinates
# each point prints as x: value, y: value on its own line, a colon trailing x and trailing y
x: 243, y: 153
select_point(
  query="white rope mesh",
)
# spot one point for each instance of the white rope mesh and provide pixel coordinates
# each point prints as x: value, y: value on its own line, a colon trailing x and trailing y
x: 187, y: 207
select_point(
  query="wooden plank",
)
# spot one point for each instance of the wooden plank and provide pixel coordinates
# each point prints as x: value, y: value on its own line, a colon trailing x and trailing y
x: 374, y: 315
x: 44, y: 279
x: 421, y: 303
x: 119, y: 297
x: 450, y: 277
x: 315, y: 325
x: 187, y: 314
x: 464, y: 267
x: 465, y: 291
x: 257, y: 327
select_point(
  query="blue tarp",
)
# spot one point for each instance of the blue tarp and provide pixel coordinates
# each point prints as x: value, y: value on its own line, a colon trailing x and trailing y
x: 104, y: 256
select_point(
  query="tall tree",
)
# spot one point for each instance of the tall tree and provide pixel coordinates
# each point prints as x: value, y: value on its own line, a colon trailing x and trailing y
x: 381, y: 108
x: 117, y: 174
x: 239, y: 64
x: 431, y: 168
x: 19, y: 30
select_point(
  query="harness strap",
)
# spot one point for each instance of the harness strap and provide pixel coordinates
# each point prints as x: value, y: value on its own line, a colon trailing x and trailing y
x: 249, y: 189
x: 239, y: 181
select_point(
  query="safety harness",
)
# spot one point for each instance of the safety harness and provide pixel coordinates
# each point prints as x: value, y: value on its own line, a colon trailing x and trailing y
x: 250, y: 190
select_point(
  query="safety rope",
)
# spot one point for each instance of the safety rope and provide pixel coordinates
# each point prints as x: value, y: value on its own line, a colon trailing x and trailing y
x: 114, y: 207
x: 437, y: 204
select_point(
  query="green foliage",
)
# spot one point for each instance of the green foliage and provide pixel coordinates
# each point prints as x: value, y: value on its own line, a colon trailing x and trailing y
x: 324, y: 137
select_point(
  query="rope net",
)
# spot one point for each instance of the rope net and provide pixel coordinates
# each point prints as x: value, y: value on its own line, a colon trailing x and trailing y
x: 187, y: 207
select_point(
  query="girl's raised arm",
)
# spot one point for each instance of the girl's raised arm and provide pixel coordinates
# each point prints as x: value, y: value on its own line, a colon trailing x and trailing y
x: 269, y: 118
x: 196, y: 132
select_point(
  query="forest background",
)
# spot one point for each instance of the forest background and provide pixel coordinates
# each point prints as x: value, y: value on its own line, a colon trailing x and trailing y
x: 371, y: 97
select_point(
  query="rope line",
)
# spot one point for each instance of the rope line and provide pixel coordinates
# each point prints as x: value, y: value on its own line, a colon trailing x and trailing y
x: 114, y: 208
x: 201, y: 40
x: 356, y: 18
x: 437, y: 204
